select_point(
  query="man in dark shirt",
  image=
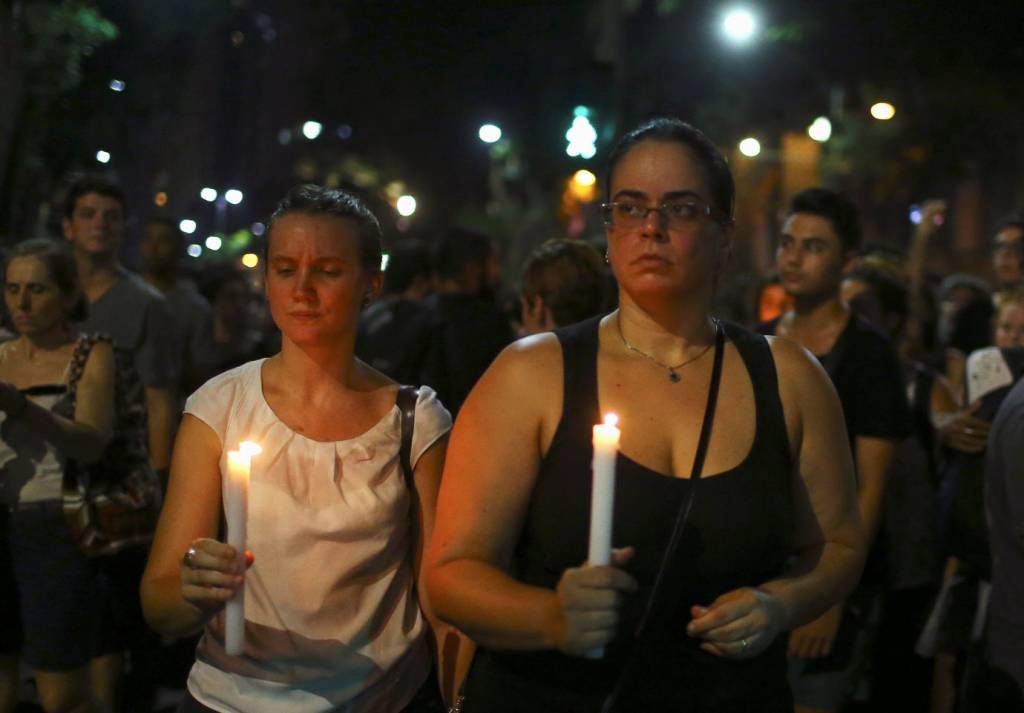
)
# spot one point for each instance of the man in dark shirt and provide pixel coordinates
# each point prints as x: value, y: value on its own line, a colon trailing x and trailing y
x: 469, y: 330
x: 820, y: 240
x: 394, y: 331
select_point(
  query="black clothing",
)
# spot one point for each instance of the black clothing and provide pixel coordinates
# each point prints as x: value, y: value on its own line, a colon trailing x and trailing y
x: 868, y: 378
x: 739, y: 534
x: 466, y: 334
x: 394, y: 336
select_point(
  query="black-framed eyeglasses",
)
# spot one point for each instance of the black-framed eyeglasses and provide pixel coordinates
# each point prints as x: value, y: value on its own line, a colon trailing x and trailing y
x: 678, y: 214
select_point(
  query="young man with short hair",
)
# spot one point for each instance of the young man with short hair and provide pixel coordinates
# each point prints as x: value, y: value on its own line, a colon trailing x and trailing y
x: 820, y: 242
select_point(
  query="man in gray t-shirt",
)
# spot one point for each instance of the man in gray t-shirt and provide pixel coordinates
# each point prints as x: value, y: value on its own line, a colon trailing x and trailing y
x: 121, y: 305
x: 1004, y: 482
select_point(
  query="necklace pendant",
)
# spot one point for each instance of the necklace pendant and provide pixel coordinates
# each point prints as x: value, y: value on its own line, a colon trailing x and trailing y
x: 673, y: 376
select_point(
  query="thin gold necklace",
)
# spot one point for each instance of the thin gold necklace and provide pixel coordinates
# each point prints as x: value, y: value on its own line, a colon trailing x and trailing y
x: 672, y: 375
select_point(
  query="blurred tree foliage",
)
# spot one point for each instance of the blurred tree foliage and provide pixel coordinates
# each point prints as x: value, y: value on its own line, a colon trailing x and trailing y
x: 45, y: 43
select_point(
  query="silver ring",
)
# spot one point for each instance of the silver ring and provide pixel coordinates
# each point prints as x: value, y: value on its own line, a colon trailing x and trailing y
x: 743, y: 644
x: 189, y: 556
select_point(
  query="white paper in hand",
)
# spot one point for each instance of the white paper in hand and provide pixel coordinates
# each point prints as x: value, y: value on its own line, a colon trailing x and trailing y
x: 987, y: 371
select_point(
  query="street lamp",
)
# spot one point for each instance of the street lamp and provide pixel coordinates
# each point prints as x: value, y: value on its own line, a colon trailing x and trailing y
x: 312, y: 129
x: 187, y: 226
x: 739, y: 25
x: 208, y: 194
x: 233, y: 196
x: 820, y: 129
x: 103, y: 156
x: 489, y: 133
x: 405, y: 205
x: 883, y: 111
x: 750, y: 147
x: 213, y: 242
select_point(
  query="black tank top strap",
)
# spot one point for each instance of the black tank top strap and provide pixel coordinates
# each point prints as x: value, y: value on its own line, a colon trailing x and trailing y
x: 757, y: 357
x: 579, y: 344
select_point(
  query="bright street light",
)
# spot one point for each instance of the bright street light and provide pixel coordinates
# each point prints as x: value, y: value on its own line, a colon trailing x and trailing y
x: 883, y: 111
x: 820, y: 129
x: 187, y: 226
x: 405, y: 205
x: 581, y: 137
x: 116, y: 85
x: 312, y: 129
x: 208, y: 194
x: 213, y: 242
x: 194, y: 250
x: 489, y: 133
x: 233, y: 196
x: 750, y: 147
x: 739, y: 25
x: 103, y: 156
x: 250, y: 260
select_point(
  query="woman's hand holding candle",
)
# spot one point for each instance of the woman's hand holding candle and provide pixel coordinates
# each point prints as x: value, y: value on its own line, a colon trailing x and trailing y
x: 590, y: 598
x: 210, y: 575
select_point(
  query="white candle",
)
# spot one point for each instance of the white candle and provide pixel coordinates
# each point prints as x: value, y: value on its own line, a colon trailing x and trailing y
x: 602, y: 497
x: 236, y: 511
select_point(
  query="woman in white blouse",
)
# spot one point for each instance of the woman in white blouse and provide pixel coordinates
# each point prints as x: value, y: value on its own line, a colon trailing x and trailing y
x: 335, y: 534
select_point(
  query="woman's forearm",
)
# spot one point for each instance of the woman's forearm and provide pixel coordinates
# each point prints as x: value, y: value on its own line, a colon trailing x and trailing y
x: 166, y: 611
x: 818, y: 579
x: 494, y: 609
x: 73, y: 439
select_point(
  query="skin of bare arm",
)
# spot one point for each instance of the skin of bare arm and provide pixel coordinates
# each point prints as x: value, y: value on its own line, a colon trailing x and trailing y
x: 829, y: 543
x: 85, y: 437
x: 190, y: 517
x: 492, y: 465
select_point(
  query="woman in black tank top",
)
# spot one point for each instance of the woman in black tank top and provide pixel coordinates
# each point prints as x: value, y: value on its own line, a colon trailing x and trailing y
x: 735, y: 508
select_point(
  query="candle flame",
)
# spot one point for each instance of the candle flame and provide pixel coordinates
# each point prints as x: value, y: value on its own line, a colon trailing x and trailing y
x: 249, y: 448
x: 610, y: 419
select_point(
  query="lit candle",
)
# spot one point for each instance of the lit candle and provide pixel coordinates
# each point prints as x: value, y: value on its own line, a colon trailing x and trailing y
x: 236, y: 510
x: 602, y: 497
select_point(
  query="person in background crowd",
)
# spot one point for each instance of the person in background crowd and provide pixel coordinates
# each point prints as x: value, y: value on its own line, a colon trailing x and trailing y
x: 964, y: 432
x: 121, y: 304
x: 876, y: 291
x: 394, y: 331
x: 235, y: 340
x: 965, y: 325
x: 335, y: 527
x: 136, y: 317
x: 468, y: 328
x: 773, y: 537
x: 162, y: 250
x: 69, y: 641
x: 1008, y: 254
x: 820, y: 241
x: 771, y: 300
x: 563, y: 282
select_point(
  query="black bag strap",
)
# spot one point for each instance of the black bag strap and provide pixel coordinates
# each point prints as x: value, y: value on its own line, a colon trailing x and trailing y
x: 406, y: 402
x: 682, y: 517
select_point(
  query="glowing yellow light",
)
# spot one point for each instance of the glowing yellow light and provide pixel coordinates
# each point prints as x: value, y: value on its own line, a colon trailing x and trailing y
x: 584, y: 177
x: 160, y: 199
x: 250, y: 259
x: 883, y: 111
x: 750, y: 147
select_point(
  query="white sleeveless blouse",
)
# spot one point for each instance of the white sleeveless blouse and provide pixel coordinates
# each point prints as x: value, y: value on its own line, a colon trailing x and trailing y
x: 332, y: 623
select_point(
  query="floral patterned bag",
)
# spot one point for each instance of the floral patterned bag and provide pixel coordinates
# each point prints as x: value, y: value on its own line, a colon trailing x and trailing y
x: 113, y: 503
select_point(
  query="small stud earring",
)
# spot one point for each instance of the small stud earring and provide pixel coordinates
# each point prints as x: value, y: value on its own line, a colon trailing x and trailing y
x: 606, y: 260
